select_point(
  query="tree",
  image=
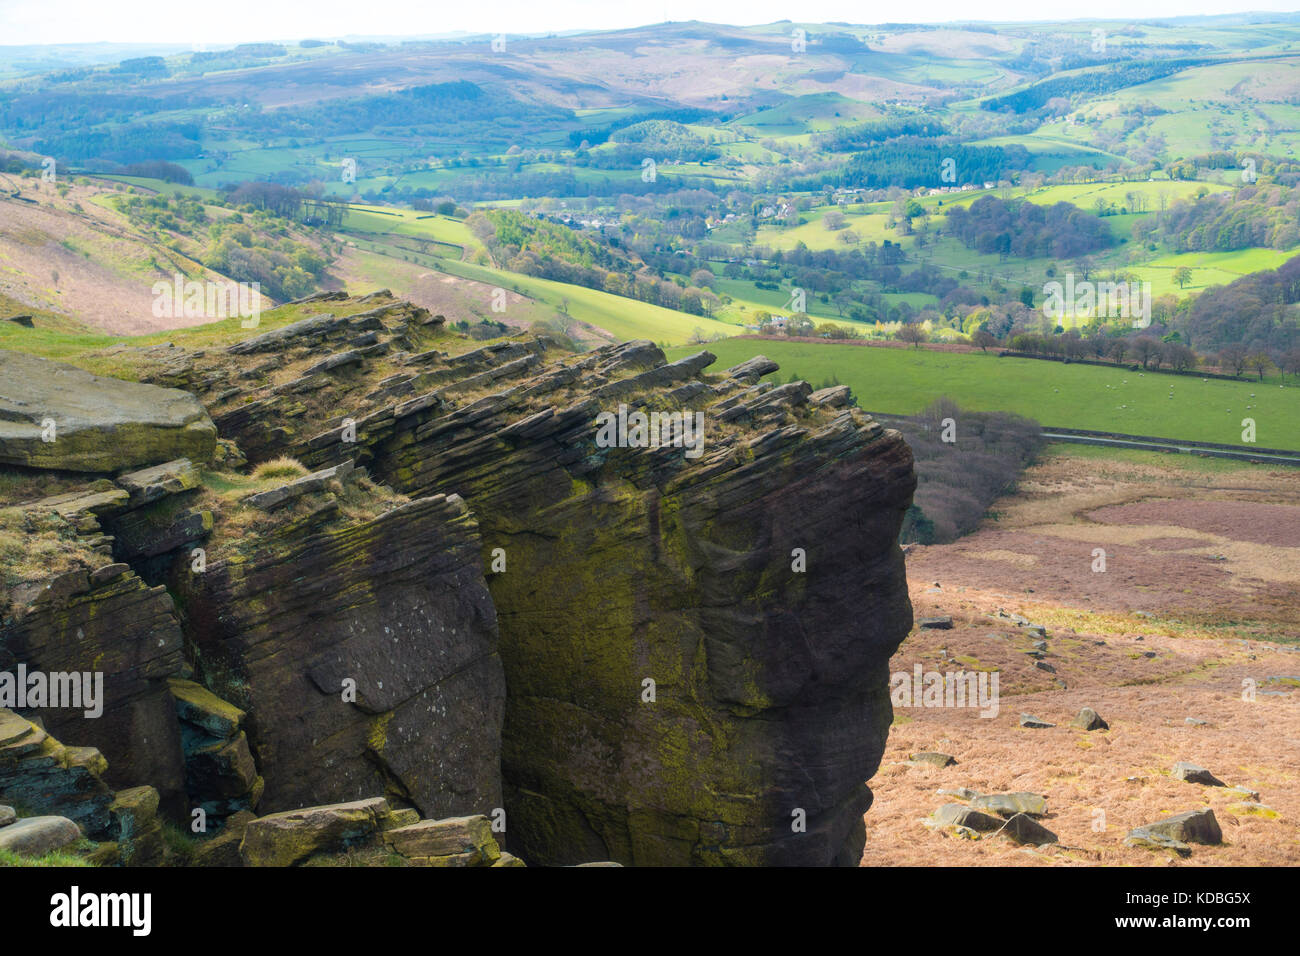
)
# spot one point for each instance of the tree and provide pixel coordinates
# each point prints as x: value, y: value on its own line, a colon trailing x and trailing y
x: 1118, y: 349
x: 1182, y: 275
x: 799, y: 324
x: 984, y: 339
x: 1290, y: 362
x: 1147, y: 350
x: 1098, y: 343
x: 1179, y: 356
x: 1260, y: 363
x: 1232, y: 357
x: 911, y: 333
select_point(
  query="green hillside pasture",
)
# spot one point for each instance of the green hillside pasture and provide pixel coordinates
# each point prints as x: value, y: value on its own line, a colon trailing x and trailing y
x: 904, y: 381
x: 814, y: 234
x: 811, y: 113
x: 161, y: 186
x: 621, y: 317
x: 1049, y: 155
x: 745, y: 293
x: 1208, y: 268
x: 380, y: 220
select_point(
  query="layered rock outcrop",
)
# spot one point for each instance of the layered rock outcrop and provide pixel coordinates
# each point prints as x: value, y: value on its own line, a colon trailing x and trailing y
x: 759, y: 586
x: 654, y: 652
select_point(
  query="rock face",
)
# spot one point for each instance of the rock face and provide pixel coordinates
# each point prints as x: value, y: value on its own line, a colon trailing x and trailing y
x: 221, y: 776
x: 768, y: 698
x: 627, y: 565
x: 99, y: 424
x: 366, y: 658
x: 126, y: 631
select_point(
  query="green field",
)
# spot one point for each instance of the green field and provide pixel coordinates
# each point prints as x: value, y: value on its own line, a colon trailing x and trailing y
x: 408, y: 222
x: 621, y: 317
x: 904, y: 381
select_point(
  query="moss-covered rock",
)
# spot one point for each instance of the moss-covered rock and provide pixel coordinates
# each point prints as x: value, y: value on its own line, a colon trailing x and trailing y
x: 60, y: 417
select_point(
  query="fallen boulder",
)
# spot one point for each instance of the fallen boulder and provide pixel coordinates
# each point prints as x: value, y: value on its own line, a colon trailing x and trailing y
x: 1035, y: 723
x: 957, y: 815
x: 1027, y: 831
x: 284, y: 839
x: 1194, y: 826
x: 1089, y: 719
x: 36, y: 836
x: 1191, y: 773
x: 1011, y: 804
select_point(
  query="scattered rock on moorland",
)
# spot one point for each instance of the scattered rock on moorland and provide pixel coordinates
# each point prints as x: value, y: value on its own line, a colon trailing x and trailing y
x: 943, y: 623
x: 1025, y: 830
x: 958, y: 815
x: 1191, y: 773
x: 1175, y: 832
x: 1089, y: 719
x: 1035, y: 723
x: 933, y: 758
x: 1011, y: 804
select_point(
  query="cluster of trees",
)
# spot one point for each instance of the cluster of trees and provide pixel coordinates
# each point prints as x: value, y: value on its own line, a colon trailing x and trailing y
x: 1240, y: 360
x: 285, y: 268
x: 1028, y: 230
x: 844, y: 138
x: 1145, y: 350
x: 912, y: 162
x: 135, y: 142
x: 281, y: 200
x: 596, y: 136
x: 252, y: 245
x: 536, y: 247
x: 485, y: 116
x: 159, y: 169
x: 1260, y: 312
x: 1105, y: 79
x: 1266, y: 216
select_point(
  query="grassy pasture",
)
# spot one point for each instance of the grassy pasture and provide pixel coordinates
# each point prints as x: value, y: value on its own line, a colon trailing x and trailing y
x: 904, y: 381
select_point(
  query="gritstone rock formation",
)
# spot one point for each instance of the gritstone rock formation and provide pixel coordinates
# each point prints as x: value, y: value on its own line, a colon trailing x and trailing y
x: 694, y: 646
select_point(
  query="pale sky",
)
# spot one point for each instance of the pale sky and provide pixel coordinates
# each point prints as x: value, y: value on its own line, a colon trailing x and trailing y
x: 232, y: 21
